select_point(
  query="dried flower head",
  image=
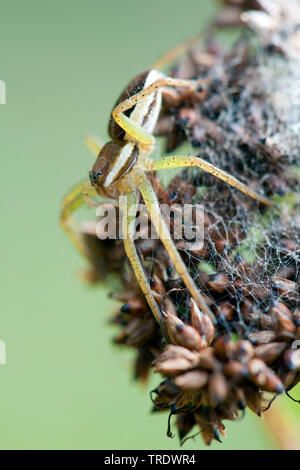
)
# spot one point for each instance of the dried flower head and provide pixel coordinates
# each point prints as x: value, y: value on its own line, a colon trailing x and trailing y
x: 247, y: 122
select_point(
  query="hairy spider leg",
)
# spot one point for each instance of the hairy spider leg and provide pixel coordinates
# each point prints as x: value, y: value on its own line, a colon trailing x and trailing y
x: 178, y: 50
x: 163, y: 232
x: 78, y: 196
x: 135, y: 131
x: 94, y: 144
x: 128, y: 202
x: 172, y: 162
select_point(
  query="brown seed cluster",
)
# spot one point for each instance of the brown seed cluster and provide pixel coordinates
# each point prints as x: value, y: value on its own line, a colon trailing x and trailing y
x: 245, y: 121
x: 211, y: 377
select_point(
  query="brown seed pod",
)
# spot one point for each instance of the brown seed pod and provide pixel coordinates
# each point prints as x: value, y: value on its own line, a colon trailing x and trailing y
x: 224, y: 348
x: 157, y: 285
x: 134, y: 305
x: 282, y: 321
x: 272, y: 383
x: 218, y: 283
x: 193, y: 380
x: 182, y: 334
x: 243, y: 351
x: 281, y: 310
x: 217, y: 388
x: 202, y: 323
x: 264, y: 377
x: 226, y: 311
x: 283, y: 286
x: 270, y: 352
x: 262, y: 337
x: 253, y: 399
x: 235, y: 369
x: 206, y: 359
x: 171, y: 367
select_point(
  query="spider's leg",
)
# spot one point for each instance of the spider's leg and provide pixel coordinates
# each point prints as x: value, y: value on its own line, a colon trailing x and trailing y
x: 73, y: 200
x: 175, y: 52
x: 182, y: 161
x: 135, y: 131
x: 88, y: 191
x: 128, y: 208
x: 94, y: 144
x: 154, y: 211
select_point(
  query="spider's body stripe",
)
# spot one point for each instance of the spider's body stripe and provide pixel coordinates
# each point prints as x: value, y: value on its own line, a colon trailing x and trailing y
x: 145, y: 113
x: 122, y: 164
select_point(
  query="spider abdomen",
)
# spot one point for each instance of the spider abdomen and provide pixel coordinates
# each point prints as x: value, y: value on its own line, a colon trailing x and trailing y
x: 145, y: 113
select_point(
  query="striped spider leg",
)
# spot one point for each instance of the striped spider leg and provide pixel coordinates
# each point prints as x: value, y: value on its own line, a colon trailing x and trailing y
x: 121, y: 166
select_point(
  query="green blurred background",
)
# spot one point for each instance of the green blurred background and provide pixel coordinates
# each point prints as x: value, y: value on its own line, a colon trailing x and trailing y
x: 65, y: 386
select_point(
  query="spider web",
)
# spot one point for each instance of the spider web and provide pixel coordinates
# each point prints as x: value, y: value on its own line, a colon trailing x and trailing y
x: 255, y: 138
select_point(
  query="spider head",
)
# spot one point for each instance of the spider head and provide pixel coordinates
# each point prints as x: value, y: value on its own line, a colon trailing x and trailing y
x: 112, y: 163
x: 104, y: 164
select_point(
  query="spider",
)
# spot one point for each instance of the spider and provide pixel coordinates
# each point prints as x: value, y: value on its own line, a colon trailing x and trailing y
x: 121, y: 170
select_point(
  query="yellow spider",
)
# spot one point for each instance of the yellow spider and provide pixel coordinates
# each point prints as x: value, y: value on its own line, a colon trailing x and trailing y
x: 121, y: 170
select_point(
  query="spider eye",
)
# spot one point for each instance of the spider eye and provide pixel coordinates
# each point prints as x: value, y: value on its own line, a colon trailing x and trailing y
x: 94, y: 177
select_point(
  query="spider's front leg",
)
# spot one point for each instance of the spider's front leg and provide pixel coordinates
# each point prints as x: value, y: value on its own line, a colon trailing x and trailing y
x: 94, y: 144
x: 81, y: 194
x: 172, y: 162
x: 154, y: 211
x: 127, y: 204
x: 135, y: 130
